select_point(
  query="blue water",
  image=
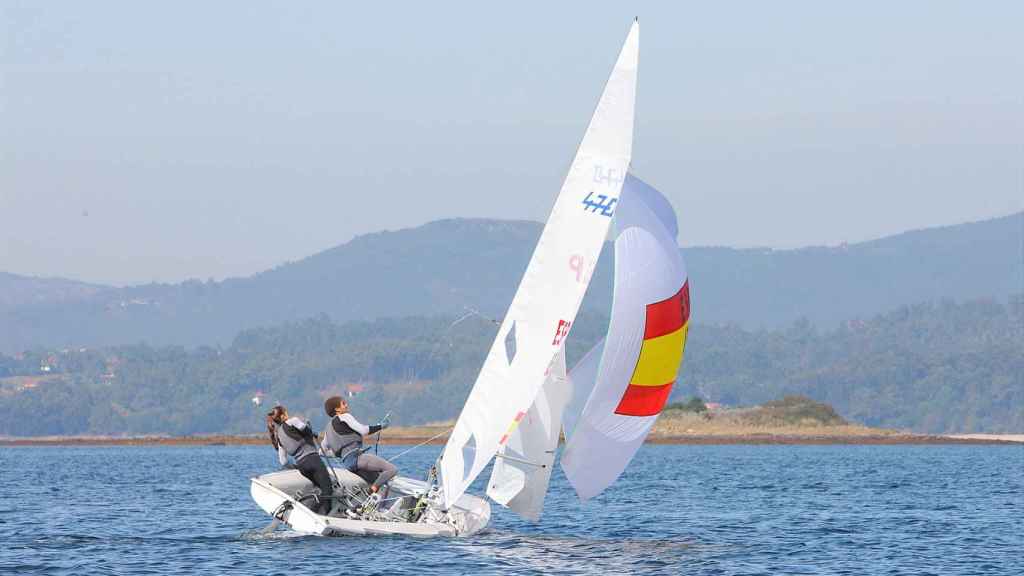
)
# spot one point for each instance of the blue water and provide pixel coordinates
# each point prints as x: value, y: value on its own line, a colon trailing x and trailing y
x: 678, y: 510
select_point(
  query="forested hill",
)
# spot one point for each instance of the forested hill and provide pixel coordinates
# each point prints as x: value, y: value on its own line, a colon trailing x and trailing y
x: 941, y: 367
x: 831, y: 285
x: 446, y: 266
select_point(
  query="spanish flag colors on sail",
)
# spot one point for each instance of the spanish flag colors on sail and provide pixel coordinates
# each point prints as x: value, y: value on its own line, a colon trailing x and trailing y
x: 621, y: 386
x: 661, y: 354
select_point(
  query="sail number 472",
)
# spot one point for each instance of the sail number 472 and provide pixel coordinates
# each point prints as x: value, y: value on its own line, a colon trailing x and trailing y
x: 600, y: 204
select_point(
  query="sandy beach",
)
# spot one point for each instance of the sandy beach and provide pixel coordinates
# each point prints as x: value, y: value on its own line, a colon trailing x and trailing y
x: 996, y: 437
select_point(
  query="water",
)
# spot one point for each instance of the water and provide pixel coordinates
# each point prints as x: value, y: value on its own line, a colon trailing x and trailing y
x: 678, y: 510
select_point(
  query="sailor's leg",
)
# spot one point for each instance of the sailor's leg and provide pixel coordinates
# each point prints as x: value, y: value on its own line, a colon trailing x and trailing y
x: 312, y: 467
x: 306, y: 472
x: 368, y: 476
x: 385, y: 470
x: 323, y: 480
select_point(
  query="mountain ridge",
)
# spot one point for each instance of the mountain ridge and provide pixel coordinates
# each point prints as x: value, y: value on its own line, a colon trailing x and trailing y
x: 450, y: 265
x: 105, y: 286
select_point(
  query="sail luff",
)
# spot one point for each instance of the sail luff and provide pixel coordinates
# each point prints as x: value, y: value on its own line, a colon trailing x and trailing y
x: 547, y: 300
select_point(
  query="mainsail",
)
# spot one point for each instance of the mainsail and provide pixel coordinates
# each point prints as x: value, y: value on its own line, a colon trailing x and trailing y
x: 643, y: 350
x: 548, y: 298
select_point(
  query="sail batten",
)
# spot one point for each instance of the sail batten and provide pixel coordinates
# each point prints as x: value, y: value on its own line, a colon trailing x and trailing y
x: 548, y: 298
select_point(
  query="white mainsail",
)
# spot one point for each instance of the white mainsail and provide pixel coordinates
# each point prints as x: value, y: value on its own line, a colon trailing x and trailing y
x: 522, y: 469
x: 643, y: 349
x: 548, y: 298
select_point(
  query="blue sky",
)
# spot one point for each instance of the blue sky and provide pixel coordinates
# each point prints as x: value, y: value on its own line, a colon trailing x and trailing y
x: 145, y: 142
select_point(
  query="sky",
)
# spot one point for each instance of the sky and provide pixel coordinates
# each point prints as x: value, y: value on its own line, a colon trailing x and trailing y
x: 158, y: 142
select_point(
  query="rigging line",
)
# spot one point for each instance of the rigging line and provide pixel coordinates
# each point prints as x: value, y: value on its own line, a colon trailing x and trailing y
x: 447, y: 337
x: 326, y: 459
x: 425, y: 442
x: 515, y: 459
x: 519, y: 460
x: 476, y: 312
x: 376, y: 445
x: 447, y: 331
x: 459, y: 320
x: 327, y: 464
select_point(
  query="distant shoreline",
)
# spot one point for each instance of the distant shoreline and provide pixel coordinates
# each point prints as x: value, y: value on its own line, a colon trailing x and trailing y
x: 409, y: 439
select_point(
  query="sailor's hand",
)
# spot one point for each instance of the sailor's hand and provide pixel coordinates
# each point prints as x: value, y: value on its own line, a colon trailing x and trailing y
x: 385, y: 422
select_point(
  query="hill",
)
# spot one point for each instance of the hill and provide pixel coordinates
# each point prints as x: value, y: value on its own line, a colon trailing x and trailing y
x: 785, y: 420
x: 831, y: 285
x: 938, y: 367
x: 24, y: 291
x: 931, y: 368
x: 446, y: 266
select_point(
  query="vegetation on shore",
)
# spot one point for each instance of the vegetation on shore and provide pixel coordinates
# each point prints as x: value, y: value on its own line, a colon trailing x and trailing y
x: 794, y: 416
x: 944, y: 367
x: 790, y: 420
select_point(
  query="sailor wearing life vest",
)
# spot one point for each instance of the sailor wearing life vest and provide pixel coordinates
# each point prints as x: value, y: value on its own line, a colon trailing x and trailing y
x: 294, y: 437
x: 344, y: 439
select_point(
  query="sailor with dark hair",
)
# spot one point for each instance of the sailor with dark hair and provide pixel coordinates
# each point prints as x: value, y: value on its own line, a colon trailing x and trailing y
x: 294, y: 437
x: 344, y: 439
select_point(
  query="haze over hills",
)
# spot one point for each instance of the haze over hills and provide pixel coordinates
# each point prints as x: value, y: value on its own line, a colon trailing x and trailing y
x: 446, y: 266
x: 18, y: 290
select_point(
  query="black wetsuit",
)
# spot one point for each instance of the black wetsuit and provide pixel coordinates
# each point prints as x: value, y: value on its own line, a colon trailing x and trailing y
x: 300, y: 443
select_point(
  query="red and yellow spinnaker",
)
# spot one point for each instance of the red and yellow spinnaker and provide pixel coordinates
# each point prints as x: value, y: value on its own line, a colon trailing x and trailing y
x: 660, y: 355
x: 625, y: 385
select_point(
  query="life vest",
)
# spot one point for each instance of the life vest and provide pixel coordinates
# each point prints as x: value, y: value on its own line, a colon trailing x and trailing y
x: 297, y: 442
x: 341, y: 440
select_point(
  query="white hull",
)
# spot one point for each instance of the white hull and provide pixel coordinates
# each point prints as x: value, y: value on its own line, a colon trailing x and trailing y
x: 275, y: 494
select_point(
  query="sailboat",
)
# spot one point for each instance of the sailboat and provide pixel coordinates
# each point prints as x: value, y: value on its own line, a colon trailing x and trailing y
x: 524, y: 399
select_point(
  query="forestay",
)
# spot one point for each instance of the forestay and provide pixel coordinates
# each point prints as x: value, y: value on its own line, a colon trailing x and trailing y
x: 547, y: 300
x: 643, y: 349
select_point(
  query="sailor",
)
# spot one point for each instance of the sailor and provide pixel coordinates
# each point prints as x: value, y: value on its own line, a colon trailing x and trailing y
x: 344, y: 439
x: 294, y: 437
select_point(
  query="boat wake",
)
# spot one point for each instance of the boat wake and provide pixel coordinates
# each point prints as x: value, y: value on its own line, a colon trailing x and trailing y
x: 262, y: 534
